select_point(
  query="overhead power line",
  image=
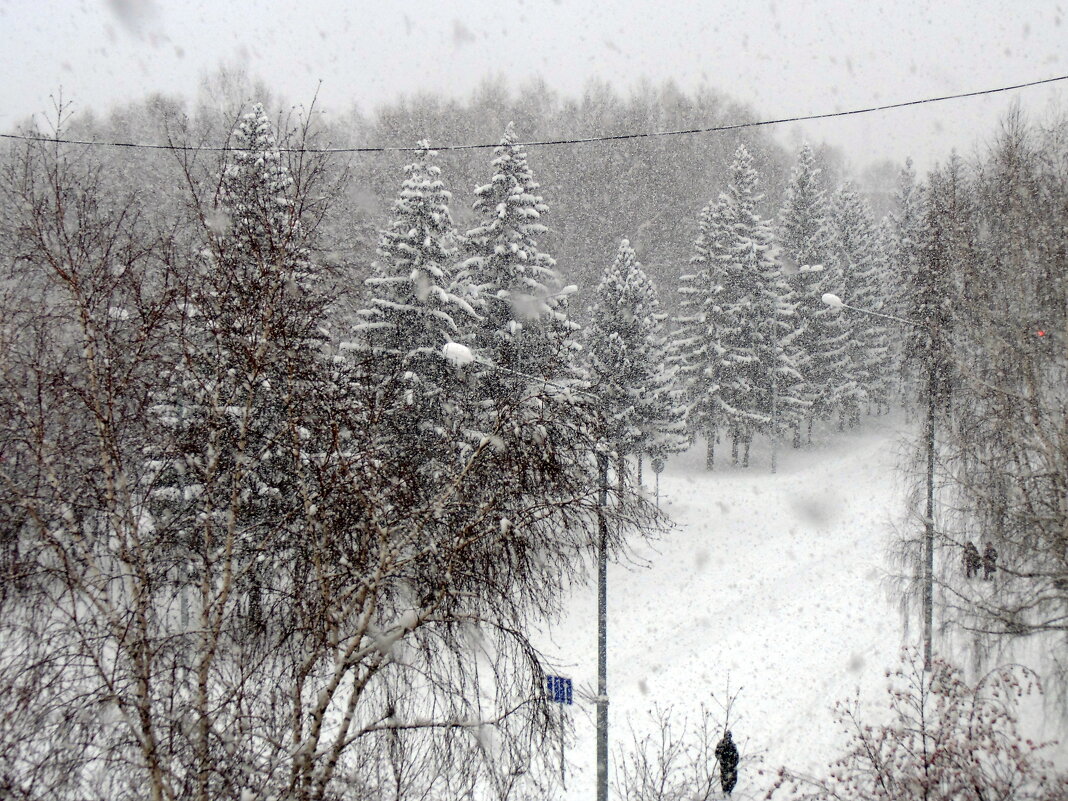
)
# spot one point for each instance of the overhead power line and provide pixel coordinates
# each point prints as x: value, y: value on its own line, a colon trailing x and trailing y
x: 549, y: 142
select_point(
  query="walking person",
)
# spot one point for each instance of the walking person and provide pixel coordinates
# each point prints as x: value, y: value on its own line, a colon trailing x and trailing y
x: 727, y: 754
x: 990, y: 561
x: 972, y: 560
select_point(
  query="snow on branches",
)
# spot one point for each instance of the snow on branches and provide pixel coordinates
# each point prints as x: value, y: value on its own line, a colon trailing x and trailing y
x: 945, y: 739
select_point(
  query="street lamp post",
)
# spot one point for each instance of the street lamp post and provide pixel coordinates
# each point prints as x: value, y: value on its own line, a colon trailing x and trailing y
x: 929, y: 434
x: 602, y: 631
x: 460, y: 356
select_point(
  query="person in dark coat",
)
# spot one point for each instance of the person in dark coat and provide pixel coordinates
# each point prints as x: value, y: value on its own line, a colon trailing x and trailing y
x: 727, y: 754
x: 990, y: 561
x: 972, y: 560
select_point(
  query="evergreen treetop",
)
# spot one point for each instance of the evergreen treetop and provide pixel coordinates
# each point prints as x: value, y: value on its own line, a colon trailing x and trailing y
x: 517, y: 290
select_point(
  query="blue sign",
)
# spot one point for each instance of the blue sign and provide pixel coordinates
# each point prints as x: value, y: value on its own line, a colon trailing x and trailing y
x: 559, y: 689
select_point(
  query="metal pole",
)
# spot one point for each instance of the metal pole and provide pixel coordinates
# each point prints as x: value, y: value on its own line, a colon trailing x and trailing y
x: 928, y: 578
x: 563, y: 781
x: 602, y: 633
x: 928, y: 538
x: 774, y: 424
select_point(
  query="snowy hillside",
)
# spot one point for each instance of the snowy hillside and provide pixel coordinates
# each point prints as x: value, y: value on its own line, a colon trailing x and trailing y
x: 773, y: 581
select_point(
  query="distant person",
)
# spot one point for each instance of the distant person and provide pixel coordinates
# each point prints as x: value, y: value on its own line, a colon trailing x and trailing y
x: 990, y: 561
x: 727, y: 754
x: 972, y: 560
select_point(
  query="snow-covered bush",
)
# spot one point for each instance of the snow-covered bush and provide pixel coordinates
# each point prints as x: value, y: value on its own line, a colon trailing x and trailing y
x: 945, y: 739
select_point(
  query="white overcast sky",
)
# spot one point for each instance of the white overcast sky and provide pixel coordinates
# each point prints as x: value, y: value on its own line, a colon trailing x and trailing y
x: 785, y: 58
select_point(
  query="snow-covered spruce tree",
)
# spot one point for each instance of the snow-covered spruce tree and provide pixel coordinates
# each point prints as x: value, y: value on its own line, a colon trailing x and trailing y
x: 664, y: 425
x: 416, y: 303
x: 905, y: 222
x: 627, y: 367
x: 946, y: 235
x: 805, y: 235
x: 802, y: 237
x: 239, y: 364
x: 886, y: 385
x: 693, y: 345
x: 755, y: 351
x: 946, y: 740
x: 802, y: 225
x: 524, y: 325
x: 853, y: 247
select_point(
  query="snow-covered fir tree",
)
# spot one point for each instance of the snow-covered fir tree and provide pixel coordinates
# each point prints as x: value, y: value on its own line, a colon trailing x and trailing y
x: 260, y: 240
x: 417, y: 301
x: 885, y: 384
x: 755, y: 333
x: 693, y: 345
x: 663, y: 426
x: 804, y: 236
x: 946, y: 236
x: 904, y: 254
x: 416, y: 304
x: 905, y: 223
x: 523, y: 312
x: 627, y: 366
x: 247, y: 344
x: 802, y: 226
x: 854, y: 250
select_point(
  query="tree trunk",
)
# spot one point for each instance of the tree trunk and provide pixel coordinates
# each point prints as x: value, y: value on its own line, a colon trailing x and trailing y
x: 710, y: 450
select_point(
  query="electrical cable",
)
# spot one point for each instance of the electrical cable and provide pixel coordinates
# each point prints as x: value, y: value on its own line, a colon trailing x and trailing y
x: 550, y: 142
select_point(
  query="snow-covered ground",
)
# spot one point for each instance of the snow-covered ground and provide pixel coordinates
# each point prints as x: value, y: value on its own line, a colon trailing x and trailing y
x: 773, y: 582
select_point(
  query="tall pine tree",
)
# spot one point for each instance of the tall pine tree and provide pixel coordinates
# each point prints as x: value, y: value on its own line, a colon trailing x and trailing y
x: 755, y: 348
x: 628, y: 370
x: 247, y: 350
x: 694, y: 342
x: 524, y: 325
x: 416, y: 305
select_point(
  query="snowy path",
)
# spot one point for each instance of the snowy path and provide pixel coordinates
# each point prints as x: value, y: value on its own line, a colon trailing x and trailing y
x: 775, y: 581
